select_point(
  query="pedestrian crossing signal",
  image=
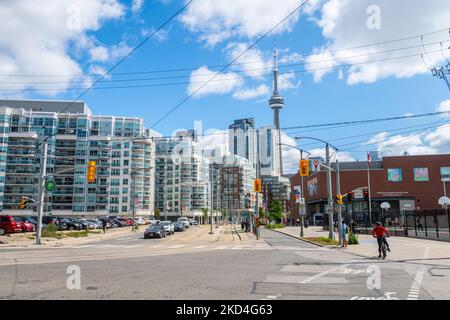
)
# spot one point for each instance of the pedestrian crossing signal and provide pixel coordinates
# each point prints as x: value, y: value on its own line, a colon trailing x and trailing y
x: 258, y: 185
x: 92, y: 168
x: 304, y: 168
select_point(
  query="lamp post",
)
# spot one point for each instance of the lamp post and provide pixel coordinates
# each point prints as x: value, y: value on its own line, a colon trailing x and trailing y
x: 329, y: 187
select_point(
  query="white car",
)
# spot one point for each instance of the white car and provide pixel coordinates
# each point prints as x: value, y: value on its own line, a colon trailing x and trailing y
x: 185, y: 221
x: 139, y: 221
x: 168, y: 226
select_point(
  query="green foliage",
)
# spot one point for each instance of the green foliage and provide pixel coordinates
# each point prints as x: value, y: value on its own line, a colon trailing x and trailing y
x: 353, y: 239
x: 51, y: 231
x: 77, y: 234
x: 323, y: 241
x: 276, y: 211
x: 272, y: 226
x: 205, y: 214
x: 157, y: 214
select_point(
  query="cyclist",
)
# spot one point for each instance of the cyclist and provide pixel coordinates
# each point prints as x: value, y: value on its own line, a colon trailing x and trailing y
x: 380, y: 233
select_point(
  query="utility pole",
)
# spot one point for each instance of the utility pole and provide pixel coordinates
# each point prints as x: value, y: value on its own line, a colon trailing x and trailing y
x: 41, y: 192
x: 338, y: 191
x: 212, y: 197
x: 300, y: 211
x: 329, y: 192
x: 134, y: 199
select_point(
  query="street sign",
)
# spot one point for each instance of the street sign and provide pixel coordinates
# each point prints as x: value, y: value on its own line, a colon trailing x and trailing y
x: 358, y: 194
x: 302, y: 201
x: 302, y: 210
x: 298, y: 194
x: 316, y: 165
x: 50, y: 185
x: 329, y: 210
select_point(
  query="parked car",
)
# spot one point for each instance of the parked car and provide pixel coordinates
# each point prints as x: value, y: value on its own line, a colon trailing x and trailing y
x: 120, y: 223
x: 70, y: 224
x: 185, y: 221
x: 151, y: 221
x: 125, y: 222
x: 179, y: 226
x: 97, y: 223
x: 61, y: 225
x: 192, y: 222
x: 140, y: 221
x: 168, y: 226
x: 26, y: 225
x: 9, y: 225
x: 155, y: 231
x: 84, y: 224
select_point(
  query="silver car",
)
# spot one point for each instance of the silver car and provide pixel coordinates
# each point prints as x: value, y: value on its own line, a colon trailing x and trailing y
x: 168, y: 226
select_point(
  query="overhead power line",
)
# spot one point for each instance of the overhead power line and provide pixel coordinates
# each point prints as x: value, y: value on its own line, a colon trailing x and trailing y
x: 223, y: 65
x: 228, y: 65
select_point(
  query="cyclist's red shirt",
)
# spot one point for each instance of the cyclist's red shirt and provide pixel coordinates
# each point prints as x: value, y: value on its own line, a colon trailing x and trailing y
x: 380, y: 231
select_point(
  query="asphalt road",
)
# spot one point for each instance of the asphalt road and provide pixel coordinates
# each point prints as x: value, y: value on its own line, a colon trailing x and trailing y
x: 278, y: 267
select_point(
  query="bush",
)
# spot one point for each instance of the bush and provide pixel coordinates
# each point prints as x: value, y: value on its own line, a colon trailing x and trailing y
x: 51, y: 231
x: 353, y: 239
x: 275, y: 226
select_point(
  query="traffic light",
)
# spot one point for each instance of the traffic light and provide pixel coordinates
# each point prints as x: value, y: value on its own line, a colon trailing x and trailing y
x: 304, y: 168
x: 339, y: 199
x: 349, y: 196
x: 23, y: 203
x: 257, y: 186
x: 92, y: 168
x: 366, y: 195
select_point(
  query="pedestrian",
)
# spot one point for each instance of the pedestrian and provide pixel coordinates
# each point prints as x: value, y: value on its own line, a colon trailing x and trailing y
x: 297, y: 223
x: 104, y: 224
x: 306, y: 223
x: 344, y: 231
x: 242, y: 225
x: 420, y: 224
x: 247, y: 225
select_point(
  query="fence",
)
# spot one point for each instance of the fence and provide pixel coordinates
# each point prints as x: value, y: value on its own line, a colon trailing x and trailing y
x: 429, y: 224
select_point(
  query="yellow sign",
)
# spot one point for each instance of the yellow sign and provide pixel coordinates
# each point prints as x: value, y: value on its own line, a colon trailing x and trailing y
x: 257, y: 186
x: 304, y: 168
x: 92, y: 168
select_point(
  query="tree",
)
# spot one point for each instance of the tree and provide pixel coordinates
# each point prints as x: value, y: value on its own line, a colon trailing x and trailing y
x: 276, y: 211
x: 157, y: 214
x: 205, y: 215
x: 262, y: 214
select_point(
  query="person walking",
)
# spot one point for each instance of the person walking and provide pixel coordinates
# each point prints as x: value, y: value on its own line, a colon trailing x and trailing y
x: 344, y: 231
x: 420, y: 224
x: 104, y: 224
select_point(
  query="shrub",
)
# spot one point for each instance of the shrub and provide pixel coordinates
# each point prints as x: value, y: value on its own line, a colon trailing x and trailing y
x: 353, y: 239
x: 275, y: 226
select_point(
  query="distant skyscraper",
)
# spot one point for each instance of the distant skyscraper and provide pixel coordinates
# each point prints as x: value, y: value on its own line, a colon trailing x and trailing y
x: 269, y: 155
x: 276, y: 103
x: 242, y: 139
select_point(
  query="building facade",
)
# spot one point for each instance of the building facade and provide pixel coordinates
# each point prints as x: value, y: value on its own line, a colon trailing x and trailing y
x: 125, y: 166
x: 182, y: 176
x: 268, y: 149
x: 242, y: 139
x: 405, y: 182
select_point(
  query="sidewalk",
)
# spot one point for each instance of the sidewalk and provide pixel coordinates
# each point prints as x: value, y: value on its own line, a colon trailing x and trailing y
x: 403, y: 249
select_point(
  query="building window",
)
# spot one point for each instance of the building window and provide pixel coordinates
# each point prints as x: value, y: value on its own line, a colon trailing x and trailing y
x: 395, y: 175
x: 445, y: 173
x: 421, y: 174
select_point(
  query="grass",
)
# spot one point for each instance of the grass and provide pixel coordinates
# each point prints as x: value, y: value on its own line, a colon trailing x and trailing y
x: 323, y: 241
x: 272, y: 226
x: 353, y: 239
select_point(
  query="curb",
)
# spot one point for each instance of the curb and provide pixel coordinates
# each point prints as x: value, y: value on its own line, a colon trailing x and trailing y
x: 298, y: 238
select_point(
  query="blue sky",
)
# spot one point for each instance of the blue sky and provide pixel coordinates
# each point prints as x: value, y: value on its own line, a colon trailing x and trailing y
x: 210, y: 32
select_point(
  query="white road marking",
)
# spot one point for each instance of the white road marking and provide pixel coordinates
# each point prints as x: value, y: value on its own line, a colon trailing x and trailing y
x: 221, y: 248
x: 176, y: 246
x: 200, y: 247
x: 414, y: 292
x: 322, y: 274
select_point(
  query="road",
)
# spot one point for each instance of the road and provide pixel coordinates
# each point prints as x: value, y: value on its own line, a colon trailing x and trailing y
x: 190, y: 267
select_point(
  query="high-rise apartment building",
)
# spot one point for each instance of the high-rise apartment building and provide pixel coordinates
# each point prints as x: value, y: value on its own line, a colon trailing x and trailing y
x: 124, y: 153
x: 182, y: 176
x: 268, y: 147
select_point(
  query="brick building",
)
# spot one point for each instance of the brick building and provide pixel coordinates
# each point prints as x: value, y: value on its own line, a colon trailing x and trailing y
x: 405, y: 182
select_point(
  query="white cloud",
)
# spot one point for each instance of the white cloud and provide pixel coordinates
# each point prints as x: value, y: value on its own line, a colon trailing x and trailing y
x: 444, y: 107
x: 218, y: 20
x: 259, y: 92
x: 344, y: 25
x: 252, y: 63
x: 137, y: 5
x: 100, y: 53
x: 38, y: 38
x: 221, y: 84
x: 287, y: 81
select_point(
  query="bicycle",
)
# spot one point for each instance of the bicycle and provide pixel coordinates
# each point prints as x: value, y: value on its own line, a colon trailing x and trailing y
x: 383, y: 247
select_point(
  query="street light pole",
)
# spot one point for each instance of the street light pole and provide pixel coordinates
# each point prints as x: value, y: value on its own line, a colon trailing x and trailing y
x: 329, y: 192
x: 338, y: 191
x: 212, y: 198
x: 41, y: 192
x: 302, y: 218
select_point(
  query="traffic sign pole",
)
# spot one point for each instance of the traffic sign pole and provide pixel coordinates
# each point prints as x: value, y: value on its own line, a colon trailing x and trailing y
x: 338, y: 191
x: 41, y: 192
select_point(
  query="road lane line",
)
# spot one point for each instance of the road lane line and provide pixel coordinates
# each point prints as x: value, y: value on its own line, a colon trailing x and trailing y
x: 322, y: 274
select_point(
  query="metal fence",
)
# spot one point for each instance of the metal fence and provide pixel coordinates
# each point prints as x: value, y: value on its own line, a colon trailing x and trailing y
x: 429, y: 224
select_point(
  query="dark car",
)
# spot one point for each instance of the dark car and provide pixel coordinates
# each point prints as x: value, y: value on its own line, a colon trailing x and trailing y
x: 9, y: 225
x: 85, y: 224
x: 70, y: 224
x: 55, y: 221
x: 119, y: 223
x: 179, y: 226
x: 155, y: 231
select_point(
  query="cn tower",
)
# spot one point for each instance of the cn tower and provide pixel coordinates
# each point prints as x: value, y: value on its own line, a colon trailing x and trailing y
x: 276, y: 103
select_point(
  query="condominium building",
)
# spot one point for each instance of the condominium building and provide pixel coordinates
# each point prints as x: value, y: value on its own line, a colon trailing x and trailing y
x: 242, y: 139
x: 233, y: 179
x: 182, y: 176
x: 276, y: 188
x: 268, y: 149
x: 124, y: 153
